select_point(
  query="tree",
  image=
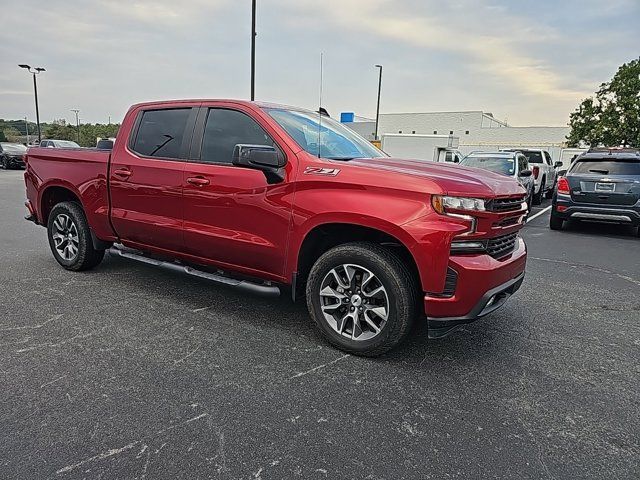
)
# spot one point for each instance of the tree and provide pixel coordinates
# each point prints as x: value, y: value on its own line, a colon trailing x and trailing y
x: 612, y: 118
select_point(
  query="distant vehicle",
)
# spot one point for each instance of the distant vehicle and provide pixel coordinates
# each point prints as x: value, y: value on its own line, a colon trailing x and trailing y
x: 278, y: 199
x: 544, y: 171
x: 58, y: 144
x: 11, y: 155
x: 105, y: 143
x: 600, y: 186
x: 509, y: 164
x: 433, y: 148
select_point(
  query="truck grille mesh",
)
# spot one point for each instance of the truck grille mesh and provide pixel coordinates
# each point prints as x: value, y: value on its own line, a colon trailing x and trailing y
x: 505, y: 204
x: 501, y: 246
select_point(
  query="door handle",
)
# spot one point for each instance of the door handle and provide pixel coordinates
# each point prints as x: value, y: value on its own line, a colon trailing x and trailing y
x: 198, y: 181
x: 122, y: 172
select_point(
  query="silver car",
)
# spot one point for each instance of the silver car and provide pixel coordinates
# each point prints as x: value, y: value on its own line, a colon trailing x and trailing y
x: 510, y: 164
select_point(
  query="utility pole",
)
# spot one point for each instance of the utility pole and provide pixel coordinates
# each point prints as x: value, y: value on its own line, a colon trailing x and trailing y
x: 378, y: 104
x: 253, y: 50
x: 35, y: 71
x: 76, y: 111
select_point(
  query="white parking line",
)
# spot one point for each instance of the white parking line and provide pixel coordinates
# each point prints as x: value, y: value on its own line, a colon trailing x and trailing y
x: 538, y: 214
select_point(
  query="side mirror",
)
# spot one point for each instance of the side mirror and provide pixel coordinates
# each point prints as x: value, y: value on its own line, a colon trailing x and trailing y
x: 456, y: 160
x: 525, y: 173
x: 562, y: 173
x: 261, y: 157
x: 557, y: 164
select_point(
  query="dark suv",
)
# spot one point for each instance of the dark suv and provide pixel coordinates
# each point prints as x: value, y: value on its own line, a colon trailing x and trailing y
x: 600, y: 186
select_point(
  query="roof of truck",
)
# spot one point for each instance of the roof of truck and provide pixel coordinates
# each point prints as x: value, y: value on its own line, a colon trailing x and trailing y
x: 221, y: 100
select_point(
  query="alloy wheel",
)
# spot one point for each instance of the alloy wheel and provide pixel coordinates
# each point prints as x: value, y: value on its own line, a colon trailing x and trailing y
x: 354, y: 302
x: 65, y: 237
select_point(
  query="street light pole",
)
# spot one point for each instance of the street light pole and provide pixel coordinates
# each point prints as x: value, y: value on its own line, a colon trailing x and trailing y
x: 35, y: 71
x: 26, y: 126
x: 253, y: 50
x: 378, y: 105
x: 76, y: 111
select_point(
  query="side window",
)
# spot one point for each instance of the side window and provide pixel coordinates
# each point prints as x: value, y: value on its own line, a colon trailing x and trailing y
x: 548, y: 158
x: 227, y: 128
x: 161, y: 132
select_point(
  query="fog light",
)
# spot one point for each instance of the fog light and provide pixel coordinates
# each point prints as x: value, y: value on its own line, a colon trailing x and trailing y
x: 467, y: 246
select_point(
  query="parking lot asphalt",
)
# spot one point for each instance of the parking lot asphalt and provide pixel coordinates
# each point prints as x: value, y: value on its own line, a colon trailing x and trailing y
x: 127, y: 371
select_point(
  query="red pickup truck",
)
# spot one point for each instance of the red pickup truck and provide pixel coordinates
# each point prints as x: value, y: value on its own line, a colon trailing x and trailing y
x: 262, y: 196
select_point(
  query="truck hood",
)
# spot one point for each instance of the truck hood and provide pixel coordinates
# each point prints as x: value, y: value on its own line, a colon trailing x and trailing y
x: 453, y: 179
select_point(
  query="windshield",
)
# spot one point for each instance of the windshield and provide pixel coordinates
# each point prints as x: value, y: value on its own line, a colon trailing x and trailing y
x: 607, y: 167
x: 13, y: 148
x: 324, y: 138
x: 66, y: 144
x: 501, y: 165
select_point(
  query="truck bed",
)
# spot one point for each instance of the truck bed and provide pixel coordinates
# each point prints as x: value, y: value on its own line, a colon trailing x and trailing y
x: 81, y: 170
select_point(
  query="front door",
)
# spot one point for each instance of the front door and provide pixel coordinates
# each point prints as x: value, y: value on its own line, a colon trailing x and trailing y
x: 232, y: 215
x: 146, y: 179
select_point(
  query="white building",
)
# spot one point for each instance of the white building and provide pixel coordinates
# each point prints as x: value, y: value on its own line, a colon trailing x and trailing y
x: 477, y: 130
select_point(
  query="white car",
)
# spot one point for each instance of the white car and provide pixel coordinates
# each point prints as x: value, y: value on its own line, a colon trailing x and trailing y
x: 545, y: 172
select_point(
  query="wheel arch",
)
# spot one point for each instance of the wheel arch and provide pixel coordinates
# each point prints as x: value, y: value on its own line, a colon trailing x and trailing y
x: 55, y: 193
x: 321, y: 237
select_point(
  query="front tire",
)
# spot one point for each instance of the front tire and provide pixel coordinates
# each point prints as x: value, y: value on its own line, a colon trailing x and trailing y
x: 362, y: 297
x: 70, y: 238
x: 5, y: 163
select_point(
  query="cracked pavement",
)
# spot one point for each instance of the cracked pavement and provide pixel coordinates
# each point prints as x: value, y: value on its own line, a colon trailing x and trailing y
x: 133, y: 372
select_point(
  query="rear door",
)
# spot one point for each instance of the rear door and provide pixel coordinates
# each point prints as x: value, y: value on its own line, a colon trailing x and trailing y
x: 232, y: 216
x: 146, y: 177
x: 612, y: 182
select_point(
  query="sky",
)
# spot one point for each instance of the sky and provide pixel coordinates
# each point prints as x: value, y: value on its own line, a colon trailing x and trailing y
x: 527, y: 62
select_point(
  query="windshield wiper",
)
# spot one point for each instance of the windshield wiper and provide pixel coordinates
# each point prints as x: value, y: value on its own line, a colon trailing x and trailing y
x: 595, y: 170
x: 342, y: 158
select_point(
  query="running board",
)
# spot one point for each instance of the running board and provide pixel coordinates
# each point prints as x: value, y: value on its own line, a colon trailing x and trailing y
x: 264, y: 289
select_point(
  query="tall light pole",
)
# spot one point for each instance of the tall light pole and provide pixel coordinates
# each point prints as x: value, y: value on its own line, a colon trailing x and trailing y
x: 76, y: 111
x: 378, y: 105
x: 35, y: 71
x: 253, y: 50
x: 26, y: 126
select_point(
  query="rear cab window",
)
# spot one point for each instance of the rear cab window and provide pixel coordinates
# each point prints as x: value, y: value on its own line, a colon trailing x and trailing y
x: 161, y: 133
x: 533, y: 157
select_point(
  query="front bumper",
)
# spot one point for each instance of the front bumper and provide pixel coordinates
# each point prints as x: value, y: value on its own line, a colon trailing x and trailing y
x: 483, y: 285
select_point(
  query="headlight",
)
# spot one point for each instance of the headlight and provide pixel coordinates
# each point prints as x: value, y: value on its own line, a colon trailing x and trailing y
x: 442, y: 204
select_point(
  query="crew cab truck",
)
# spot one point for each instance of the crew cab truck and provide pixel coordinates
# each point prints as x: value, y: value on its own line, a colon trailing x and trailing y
x: 264, y: 197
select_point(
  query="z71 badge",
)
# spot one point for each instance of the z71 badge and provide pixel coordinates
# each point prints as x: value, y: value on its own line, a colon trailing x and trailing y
x: 332, y: 172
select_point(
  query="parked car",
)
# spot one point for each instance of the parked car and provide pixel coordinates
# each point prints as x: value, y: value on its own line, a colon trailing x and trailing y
x: 509, y: 164
x: 58, y: 144
x: 11, y: 155
x: 277, y: 199
x: 544, y: 171
x: 600, y: 186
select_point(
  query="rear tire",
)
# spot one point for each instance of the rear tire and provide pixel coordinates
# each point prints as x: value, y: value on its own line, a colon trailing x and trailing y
x: 70, y: 238
x: 5, y: 163
x: 369, y: 282
x: 555, y: 222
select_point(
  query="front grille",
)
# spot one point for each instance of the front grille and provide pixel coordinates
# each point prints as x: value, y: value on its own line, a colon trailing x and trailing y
x: 501, y: 246
x: 504, y: 204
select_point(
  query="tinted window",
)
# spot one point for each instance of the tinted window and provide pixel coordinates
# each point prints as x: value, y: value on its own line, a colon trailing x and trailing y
x: 501, y: 165
x: 522, y: 163
x: 547, y: 157
x: 227, y: 128
x: 161, y: 132
x: 607, y: 167
x: 533, y: 157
